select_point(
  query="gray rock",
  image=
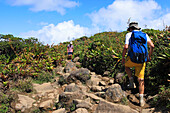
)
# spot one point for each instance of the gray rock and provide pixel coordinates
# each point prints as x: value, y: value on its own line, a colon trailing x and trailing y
x: 94, y: 97
x: 62, y: 110
x: 82, y: 103
x: 82, y: 74
x: 59, y: 69
x: 43, y: 88
x: 93, y: 81
x: 152, y: 110
x: 83, y: 88
x: 26, y: 101
x: 69, y: 96
x: 108, y: 107
x: 96, y: 88
x: 46, y: 104
x: 101, y: 94
x: 81, y: 110
x: 71, y: 88
x: 106, y: 79
x: 111, y: 81
x: 115, y: 93
x: 106, y: 73
x: 51, y: 95
x: 19, y: 106
x: 92, y: 73
x: 77, y: 101
x: 102, y: 83
x: 70, y: 66
x: 119, y: 77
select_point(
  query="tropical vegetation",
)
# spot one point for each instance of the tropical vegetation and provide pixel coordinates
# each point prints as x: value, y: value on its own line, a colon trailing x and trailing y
x: 28, y: 58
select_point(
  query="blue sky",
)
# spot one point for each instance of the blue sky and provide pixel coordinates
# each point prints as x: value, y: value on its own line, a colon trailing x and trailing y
x: 55, y: 21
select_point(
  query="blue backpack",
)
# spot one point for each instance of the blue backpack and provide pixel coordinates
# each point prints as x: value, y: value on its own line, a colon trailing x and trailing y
x: 138, y: 47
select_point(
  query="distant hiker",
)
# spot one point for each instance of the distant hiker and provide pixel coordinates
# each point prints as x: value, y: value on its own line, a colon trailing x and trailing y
x: 136, y: 43
x: 70, y: 50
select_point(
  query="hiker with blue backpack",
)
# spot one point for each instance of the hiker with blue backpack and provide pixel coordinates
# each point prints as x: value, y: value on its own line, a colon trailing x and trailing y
x: 136, y: 45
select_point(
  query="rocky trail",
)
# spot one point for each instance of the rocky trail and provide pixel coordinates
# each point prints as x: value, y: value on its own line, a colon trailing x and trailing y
x: 80, y: 91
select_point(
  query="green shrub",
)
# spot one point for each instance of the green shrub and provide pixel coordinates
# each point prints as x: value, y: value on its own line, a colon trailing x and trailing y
x: 44, y: 77
x: 24, y: 85
x: 4, y: 108
x: 164, y: 96
x: 5, y: 101
x: 162, y: 99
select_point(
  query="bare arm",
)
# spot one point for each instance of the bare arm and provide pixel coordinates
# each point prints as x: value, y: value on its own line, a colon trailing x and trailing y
x: 151, y: 46
x: 124, y: 53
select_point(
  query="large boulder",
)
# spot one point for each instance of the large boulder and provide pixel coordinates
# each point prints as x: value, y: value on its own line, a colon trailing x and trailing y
x: 93, y: 81
x: 109, y: 107
x: 67, y: 97
x: 71, y: 88
x: 46, y: 104
x: 82, y: 75
x: 70, y: 66
x: 115, y: 93
x: 43, y: 88
x: 61, y: 110
x: 25, y: 102
x: 81, y: 110
x: 85, y: 103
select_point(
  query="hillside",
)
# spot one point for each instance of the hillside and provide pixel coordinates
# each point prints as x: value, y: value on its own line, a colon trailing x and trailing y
x: 27, y: 61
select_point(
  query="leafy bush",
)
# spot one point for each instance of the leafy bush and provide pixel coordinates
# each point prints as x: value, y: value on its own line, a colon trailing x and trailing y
x: 5, y: 101
x: 29, y: 59
x: 102, y: 52
x: 158, y: 69
x: 44, y: 77
x: 24, y: 85
x: 162, y: 99
x: 164, y: 96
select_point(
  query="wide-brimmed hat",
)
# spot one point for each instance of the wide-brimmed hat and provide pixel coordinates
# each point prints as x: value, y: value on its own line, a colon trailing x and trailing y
x: 133, y: 24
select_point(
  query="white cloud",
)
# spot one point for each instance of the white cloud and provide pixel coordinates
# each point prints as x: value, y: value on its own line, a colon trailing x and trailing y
x: 62, y: 32
x: 116, y: 15
x: 46, y: 5
x: 160, y: 23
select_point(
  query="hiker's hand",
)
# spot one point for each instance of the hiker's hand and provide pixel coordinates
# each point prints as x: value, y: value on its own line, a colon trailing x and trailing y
x: 123, y: 61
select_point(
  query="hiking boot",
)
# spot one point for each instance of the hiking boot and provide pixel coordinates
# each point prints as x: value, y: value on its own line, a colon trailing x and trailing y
x: 142, y: 103
x: 131, y: 86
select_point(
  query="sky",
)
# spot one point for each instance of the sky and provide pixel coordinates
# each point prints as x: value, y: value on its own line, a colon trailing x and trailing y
x: 55, y: 21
